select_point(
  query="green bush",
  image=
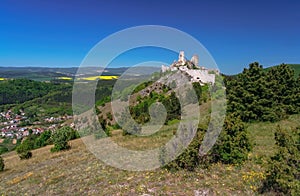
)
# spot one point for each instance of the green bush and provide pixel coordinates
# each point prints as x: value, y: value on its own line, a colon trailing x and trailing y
x: 1, y: 164
x: 43, y: 140
x: 24, y: 153
x: 189, y: 159
x: 283, y: 170
x: 116, y: 126
x: 231, y: 147
x: 172, y: 106
x: 198, y: 90
x: 3, y: 149
x: 233, y: 143
x: 24, y: 149
x: 61, y: 138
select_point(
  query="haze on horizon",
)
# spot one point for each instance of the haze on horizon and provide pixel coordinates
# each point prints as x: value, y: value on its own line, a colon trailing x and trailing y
x: 236, y: 33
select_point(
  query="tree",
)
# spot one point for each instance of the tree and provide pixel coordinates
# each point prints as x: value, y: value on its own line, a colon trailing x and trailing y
x: 43, y: 140
x: 24, y: 149
x: 172, y: 106
x: 198, y: 89
x: 61, y: 138
x: 283, y: 91
x: 263, y: 95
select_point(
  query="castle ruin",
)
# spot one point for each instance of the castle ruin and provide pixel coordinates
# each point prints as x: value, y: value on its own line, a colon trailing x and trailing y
x: 191, y: 68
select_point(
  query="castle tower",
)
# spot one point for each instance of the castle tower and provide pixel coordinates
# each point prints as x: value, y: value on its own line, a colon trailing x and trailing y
x: 181, y: 58
x: 195, y: 60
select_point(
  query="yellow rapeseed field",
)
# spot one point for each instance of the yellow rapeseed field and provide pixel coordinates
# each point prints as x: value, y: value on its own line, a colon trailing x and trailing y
x: 64, y: 78
x: 101, y: 78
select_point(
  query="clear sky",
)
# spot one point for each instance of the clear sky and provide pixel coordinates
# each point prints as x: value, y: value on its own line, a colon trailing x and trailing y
x: 60, y: 33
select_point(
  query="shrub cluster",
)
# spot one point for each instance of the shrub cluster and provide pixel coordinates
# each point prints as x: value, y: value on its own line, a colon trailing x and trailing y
x: 140, y: 111
x: 233, y: 143
x: 61, y: 138
x: 232, y: 147
x: 189, y: 159
x: 24, y: 149
x: 283, y: 169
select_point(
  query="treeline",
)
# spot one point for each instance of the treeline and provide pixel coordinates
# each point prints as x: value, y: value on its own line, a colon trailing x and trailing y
x: 17, y: 91
x: 263, y: 95
x: 60, y: 138
x: 43, y: 99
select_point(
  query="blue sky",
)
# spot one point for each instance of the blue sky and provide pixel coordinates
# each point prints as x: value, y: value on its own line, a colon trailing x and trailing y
x: 236, y: 33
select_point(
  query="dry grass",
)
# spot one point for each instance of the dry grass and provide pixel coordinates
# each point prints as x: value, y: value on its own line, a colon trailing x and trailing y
x: 77, y: 171
x: 156, y: 140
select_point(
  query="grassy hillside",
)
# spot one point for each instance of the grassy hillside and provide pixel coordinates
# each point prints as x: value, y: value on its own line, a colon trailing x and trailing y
x: 77, y: 170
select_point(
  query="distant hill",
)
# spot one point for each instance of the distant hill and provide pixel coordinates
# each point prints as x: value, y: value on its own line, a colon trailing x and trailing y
x: 47, y: 74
